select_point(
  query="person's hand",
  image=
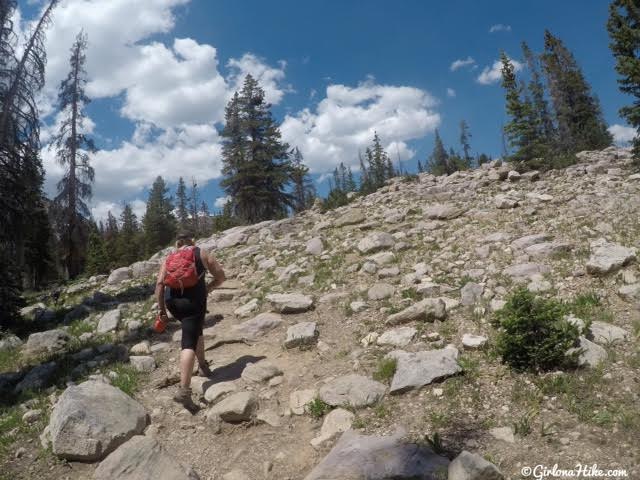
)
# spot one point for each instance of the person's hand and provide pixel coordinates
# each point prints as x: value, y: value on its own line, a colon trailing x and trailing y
x: 164, y: 317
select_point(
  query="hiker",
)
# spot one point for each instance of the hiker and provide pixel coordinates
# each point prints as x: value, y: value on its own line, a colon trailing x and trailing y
x: 182, y: 289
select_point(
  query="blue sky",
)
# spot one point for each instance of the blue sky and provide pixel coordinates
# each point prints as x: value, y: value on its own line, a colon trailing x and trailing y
x: 335, y: 71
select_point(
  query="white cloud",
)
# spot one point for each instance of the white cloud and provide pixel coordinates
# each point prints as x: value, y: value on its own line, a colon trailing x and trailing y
x: 460, y: 63
x: 221, y: 201
x: 493, y: 74
x: 451, y: 93
x: 344, y: 123
x: 270, y: 78
x: 622, y: 134
x: 499, y: 27
x: 102, y: 208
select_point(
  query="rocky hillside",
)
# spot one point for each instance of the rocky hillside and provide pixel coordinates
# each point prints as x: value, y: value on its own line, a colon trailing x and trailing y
x: 355, y: 344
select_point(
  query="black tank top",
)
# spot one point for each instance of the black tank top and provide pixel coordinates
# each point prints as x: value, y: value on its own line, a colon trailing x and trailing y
x: 198, y: 293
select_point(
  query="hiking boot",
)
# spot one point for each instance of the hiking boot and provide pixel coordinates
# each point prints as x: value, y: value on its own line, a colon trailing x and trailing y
x: 204, y: 370
x: 183, y: 397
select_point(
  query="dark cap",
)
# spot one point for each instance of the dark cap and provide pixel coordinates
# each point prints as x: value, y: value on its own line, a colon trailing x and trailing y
x: 184, y: 235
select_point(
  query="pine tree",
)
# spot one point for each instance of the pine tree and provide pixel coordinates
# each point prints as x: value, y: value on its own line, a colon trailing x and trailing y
x: 205, y: 219
x: 438, y: 163
x: 73, y: 147
x: 256, y: 165
x: 420, y: 167
x: 544, y: 123
x: 578, y: 114
x: 303, y: 190
x: 159, y: 224
x: 97, y: 256
x: 624, y: 30
x: 379, y: 169
x: 128, y: 246
x: 520, y: 132
x: 465, y: 135
x: 351, y: 183
x: 182, y: 203
x: 111, y: 234
x: 194, y: 198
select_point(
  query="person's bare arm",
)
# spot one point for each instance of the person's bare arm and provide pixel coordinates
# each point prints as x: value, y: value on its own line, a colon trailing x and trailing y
x: 214, y: 268
x: 160, y: 293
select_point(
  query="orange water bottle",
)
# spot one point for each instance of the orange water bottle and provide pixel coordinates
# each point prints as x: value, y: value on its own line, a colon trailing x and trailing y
x: 159, y: 325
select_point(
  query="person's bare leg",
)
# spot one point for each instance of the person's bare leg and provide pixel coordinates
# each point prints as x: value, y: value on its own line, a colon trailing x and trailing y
x: 187, y: 360
x: 202, y: 362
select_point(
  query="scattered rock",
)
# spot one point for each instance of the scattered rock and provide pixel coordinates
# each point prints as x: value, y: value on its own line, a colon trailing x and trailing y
x: 414, y: 370
x: 290, y: 302
x: 142, y: 348
x: 398, y: 337
x: 337, y: 421
x: 260, y: 372
x: 218, y: 390
x: 119, y: 275
x: 299, y: 399
x: 351, y: 217
x: 473, y: 342
x: 608, y: 257
x: 39, y: 377
x: 8, y: 342
x: 504, y: 434
x: 258, y: 325
x: 51, y: 341
x: 352, y: 390
x: 471, y: 466
x: 525, y: 271
x: 471, y: 293
x: 246, y: 309
x: 592, y: 354
x: 143, y: 363
x: 238, y: 407
x: 315, y: 246
x: 143, y: 458
x: 443, y: 212
x: 607, y: 334
x: 92, y: 419
x: 429, y: 309
x: 380, y: 291
x: 109, y: 321
x: 376, y: 241
x: 301, y: 334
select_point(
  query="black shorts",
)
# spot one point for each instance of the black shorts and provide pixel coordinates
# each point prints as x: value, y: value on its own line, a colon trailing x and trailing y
x: 191, y: 316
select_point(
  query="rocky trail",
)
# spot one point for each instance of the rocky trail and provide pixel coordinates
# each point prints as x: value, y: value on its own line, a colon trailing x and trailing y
x: 355, y: 344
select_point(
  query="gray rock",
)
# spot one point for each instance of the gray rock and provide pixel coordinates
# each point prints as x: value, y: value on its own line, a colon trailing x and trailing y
x: 119, y: 275
x: 299, y: 399
x: 506, y: 202
x: 144, y: 268
x: 238, y: 407
x: 630, y: 293
x: 471, y: 342
x: 301, y: 334
x: 528, y: 240
x: 143, y: 363
x: 36, y: 312
x: 246, y: 309
x: 315, y: 246
x: 32, y: 416
x: 608, y: 257
x: 38, y: 378
x: 260, y: 371
x: 233, y: 239
x: 414, y: 370
x: 382, y: 258
x: 546, y: 249
x: 109, y: 321
x: 360, y: 457
x: 218, y: 390
x: 290, y: 302
x: 504, y: 434
x: 429, y: 309
x: 398, y: 337
x: 258, y: 325
x: 351, y: 217
x: 592, y: 354
x: 8, y: 342
x: 513, y: 176
x: 606, y: 334
x: 142, y: 348
x: 471, y: 293
x: 143, y: 458
x: 525, y: 271
x: 443, y: 212
x: 380, y: 291
x: 51, y: 341
x: 92, y: 419
x: 337, y: 421
x: 376, y: 241
x: 352, y: 390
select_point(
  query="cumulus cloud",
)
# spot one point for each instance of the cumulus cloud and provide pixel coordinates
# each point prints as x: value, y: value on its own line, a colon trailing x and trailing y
x: 345, y: 121
x: 221, y: 201
x: 499, y: 27
x: 493, y: 74
x: 451, y: 93
x: 461, y: 63
x: 622, y: 135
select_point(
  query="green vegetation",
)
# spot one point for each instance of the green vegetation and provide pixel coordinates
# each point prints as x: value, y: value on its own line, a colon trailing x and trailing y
x: 435, y: 442
x: 386, y: 369
x: 318, y: 408
x: 533, y: 333
x: 127, y: 379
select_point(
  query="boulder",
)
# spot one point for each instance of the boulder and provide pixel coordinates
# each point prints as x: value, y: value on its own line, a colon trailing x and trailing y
x: 337, y: 421
x: 142, y: 348
x: 350, y: 217
x: 301, y: 335
x: 119, y: 275
x: 546, y: 249
x: 429, y: 309
x: 36, y: 312
x: 352, y: 390
x: 109, y: 321
x: 506, y: 202
x: 473, y: 342
x: 360, y: 457
x: 144, y: 268
x: 38, y: 378
x: 398, y: 337
x: 233, y: 239
x: 299, y: 399
x: 606, y: 334
x: 416, y: 369
x: 9, y: 341
x: 258, y: 325
x: 51, y: 341
x: 608, y: 257
x: 314, y: 246
x: 260, y: 372
x: 290, y: 302
x: 246, y: 309
x: 471, y: 293
x: 143, y: 363
x: 471, y: 466
x: 591, y: 354
x: 630, y: 293
x: 525, y: 271
x: 380, y: 291
x: 218, y: 390
x: 443, y: 212
x: 376, y: 241
x: 528, y: 240
x: 92, y: 419
x: 143, y: 458
x: 238, y: 407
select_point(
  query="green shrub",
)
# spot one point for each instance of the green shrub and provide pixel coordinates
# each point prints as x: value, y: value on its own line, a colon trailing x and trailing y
x: 386, y: 369
x: 318, y: 408
x: 534, y: 334
x: 127, y: 379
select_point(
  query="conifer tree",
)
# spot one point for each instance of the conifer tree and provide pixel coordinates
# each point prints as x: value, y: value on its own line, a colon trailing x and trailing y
x: 111, y: 233
x: 97, y: 256
x: 379, y: 168
x: 159, y: 224
x: 303, y: 190
x: 438, y: 163
x: 182, y: 203
x: 73, y: 148
x: 578, y: 114
x: 420, y: 167
x: 205, y: 219
x: 194, y: 198
x: 256, y: 165
x: 465, y: 136
x: 624, y: 30
x: 351, y: 183
x: 128, y: 246
x: 544, y: 123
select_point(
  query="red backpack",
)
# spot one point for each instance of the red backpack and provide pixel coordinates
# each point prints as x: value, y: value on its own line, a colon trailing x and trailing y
x: 180, y: 269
